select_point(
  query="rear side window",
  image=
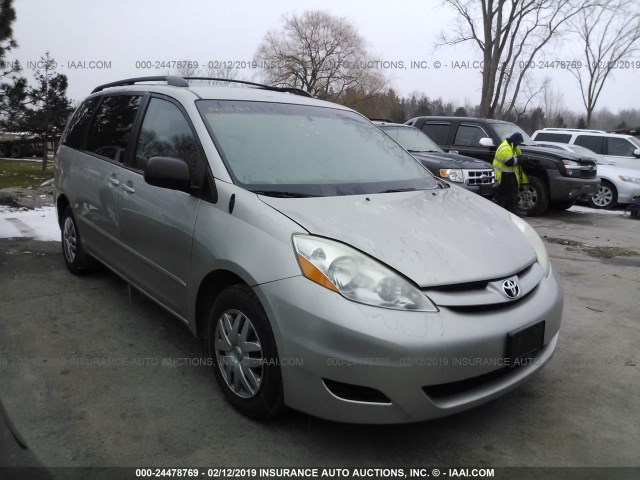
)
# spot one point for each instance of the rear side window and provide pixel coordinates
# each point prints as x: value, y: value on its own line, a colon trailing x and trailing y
x: 77, y: 129
x: 591, y: 142
x: 439, y: 132
x: 167, y: 133
x: 469, y: 136
x: 110, y: 131
x: 620, y: 147
x: 552, y: 137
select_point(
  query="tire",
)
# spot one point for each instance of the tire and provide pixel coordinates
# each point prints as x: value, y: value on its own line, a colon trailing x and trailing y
x: 606, y: 197
x: 533, y: 198
x: 561, y: 205
x: 77, y: 260
x: 248, y: 372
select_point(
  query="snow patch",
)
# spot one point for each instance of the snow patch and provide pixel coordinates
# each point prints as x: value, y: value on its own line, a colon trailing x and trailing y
x: 39, y: 224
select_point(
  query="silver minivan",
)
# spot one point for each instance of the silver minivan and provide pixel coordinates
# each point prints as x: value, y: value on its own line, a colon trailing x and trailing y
x: 326, y: 269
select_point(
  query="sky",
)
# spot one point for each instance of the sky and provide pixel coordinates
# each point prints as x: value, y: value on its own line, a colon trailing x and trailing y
x: 98, y: 41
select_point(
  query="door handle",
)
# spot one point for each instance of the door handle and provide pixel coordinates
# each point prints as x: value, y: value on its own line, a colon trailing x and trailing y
x: 128, y: 187
x: 113, y: 181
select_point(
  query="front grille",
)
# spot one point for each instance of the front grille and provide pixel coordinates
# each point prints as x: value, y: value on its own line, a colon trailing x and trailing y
x: 445, y: 390
x: 486, y: 176
x: 355, y: 393
x: 585, y: 173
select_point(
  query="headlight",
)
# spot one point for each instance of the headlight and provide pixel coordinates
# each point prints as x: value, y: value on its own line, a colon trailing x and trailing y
x: 355, y: 276
x: 535, y: 241
x: 629, y: 179
x: 572, y: 168
x: 453, y: 174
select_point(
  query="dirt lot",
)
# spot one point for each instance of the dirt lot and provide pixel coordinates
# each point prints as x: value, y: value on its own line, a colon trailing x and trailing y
x: 57, y: 333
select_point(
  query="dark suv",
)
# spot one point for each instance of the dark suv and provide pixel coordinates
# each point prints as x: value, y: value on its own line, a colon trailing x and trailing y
x: 557, y: 179
x: 467, y: 172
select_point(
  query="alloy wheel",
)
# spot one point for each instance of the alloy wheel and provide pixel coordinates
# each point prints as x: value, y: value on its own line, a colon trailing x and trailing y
x: 603, y: 197
x: 239, y: 353
x: 527, y: 197
x: 69, y: 239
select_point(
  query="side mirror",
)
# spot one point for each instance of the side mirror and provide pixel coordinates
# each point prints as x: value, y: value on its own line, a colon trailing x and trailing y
x: 636, y: 152
x: 168, y: 172
x: 486, y: 142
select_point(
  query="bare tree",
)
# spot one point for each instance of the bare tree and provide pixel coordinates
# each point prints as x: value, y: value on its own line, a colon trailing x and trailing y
x: 610, y: 34
x: 552, y: 104
x: 510, y: 35
x: 319, y: 53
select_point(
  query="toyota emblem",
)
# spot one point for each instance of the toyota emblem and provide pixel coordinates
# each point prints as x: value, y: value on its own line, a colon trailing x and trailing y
x: 511, y: 289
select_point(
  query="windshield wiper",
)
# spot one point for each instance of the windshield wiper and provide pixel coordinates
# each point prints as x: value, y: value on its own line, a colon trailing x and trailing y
x: 423, y: 151
x: 282, y: 194
x: 395, y: 190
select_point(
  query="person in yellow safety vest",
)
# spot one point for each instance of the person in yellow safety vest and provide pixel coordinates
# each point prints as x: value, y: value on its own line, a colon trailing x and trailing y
x: 509, y: 173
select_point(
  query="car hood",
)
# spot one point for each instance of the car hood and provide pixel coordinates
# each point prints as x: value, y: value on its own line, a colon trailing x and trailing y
x: 434, y: 237
x: 449, y: 160
x: 531, y: 149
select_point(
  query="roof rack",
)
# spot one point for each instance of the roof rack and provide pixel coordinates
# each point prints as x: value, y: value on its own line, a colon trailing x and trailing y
x: 295, y: 91
x: 170, y: 79
x: 583, y: 130
x: 176, y: 81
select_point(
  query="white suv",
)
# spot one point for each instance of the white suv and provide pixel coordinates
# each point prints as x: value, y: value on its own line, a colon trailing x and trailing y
x: 619, y: 150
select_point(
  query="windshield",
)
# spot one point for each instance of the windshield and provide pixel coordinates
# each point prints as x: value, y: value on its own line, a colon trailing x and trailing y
x: 300, y: 150
x: 505, y: 130
x: 635, y: 141
x: 412, y: 139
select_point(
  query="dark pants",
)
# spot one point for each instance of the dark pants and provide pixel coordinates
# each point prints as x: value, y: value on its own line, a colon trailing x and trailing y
x: 507, y: 195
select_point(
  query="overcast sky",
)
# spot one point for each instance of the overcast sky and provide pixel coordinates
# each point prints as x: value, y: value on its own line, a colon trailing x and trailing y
x: 120, y: 34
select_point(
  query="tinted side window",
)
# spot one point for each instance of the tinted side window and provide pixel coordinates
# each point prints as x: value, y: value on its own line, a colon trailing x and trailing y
x: 75, y: 135
x: 469, y: 136
x: 439, y: 132
x: 110, y: 131
x: 166, y: 133
x: 552, y: 137
x: 620, y: 147
x: 591, y: 142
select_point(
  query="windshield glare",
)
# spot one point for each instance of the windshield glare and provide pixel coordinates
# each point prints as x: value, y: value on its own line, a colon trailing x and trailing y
x: 308, y: 150
x: 505, y: 130
x: 412, y: 139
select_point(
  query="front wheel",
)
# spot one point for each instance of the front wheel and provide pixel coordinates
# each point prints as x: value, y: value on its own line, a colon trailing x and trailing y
x: 533, y: 197
x: 243, y: 348
x: 605, y: 198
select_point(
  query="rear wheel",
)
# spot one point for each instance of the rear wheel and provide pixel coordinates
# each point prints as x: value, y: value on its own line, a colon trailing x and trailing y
x: 77, y: 260
x: 533, y: 197
x: 606, y: 197
x: 243, y: 348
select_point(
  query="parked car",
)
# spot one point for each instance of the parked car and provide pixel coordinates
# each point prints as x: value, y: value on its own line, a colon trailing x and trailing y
x: 619, y: 150
x: 324, y: 266
x: 470, y: 173
x: 556, y: 179
x: 617, y: 185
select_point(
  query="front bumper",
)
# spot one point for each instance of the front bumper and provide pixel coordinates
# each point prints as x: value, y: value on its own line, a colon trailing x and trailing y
x: 487, y: 190
x: 627, y: 191
x: 568, y: 188
x: 320, y: 335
